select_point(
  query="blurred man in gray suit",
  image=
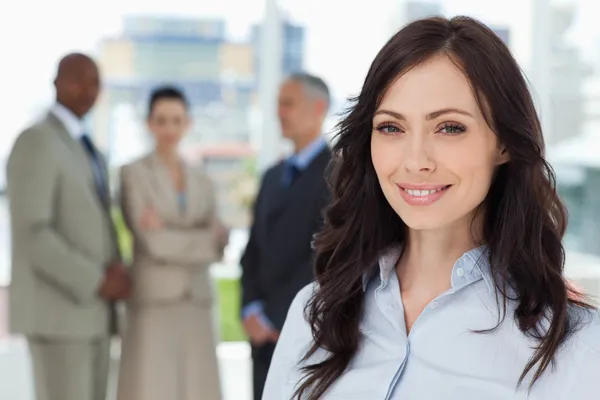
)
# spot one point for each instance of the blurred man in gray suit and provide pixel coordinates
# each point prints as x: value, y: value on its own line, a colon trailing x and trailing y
x: 66, y: 269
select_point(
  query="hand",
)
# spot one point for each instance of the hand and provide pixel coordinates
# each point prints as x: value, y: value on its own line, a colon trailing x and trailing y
x: 257, y: 332
x: 118, y: 271
x: 116, y: 284
x: 114, y: 288
x: 150, y: 220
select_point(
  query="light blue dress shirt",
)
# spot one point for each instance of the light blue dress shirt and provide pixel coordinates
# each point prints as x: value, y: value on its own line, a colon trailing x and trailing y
x: 441, y: 358
x: 301, y: 161
x: 303, y: 158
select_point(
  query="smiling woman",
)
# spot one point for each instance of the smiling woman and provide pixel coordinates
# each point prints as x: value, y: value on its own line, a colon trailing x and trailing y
x: 432, y: 144
x: 444, y: 222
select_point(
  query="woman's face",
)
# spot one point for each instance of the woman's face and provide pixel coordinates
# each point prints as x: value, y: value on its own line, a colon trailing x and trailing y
x: 431, y: 148
x: 168, y: 122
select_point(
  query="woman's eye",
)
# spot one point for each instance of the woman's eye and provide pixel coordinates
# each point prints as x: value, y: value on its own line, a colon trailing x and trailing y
x: 388, y: 129
x: 452, y: 128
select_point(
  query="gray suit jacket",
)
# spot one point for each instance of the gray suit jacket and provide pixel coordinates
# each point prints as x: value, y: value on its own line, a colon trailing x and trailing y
x: 172, y: 263
x: 62, y: 236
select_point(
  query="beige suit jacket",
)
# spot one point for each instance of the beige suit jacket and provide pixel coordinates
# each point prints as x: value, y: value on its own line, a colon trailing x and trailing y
x: 62, y: 236
x: 171, y: 263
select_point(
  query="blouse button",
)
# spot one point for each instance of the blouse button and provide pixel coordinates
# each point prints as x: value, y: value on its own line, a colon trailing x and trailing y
x: 460, y: 272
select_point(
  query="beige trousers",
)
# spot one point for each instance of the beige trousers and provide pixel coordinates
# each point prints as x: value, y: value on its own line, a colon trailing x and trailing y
x: 70, y: 370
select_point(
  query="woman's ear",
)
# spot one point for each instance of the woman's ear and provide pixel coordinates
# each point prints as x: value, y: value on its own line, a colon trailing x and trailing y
x: 503, y: 157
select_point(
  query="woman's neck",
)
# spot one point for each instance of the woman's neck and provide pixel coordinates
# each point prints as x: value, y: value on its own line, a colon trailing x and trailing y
x: 169, y: 157
x: 429, y: 256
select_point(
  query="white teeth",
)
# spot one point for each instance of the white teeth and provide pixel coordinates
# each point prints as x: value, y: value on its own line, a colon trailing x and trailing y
x: 422, y: 193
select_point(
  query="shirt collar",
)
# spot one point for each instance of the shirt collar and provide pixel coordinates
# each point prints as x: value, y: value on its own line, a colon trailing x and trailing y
x: 72, y: 124
x: 303, y: 158
x: 471, y: 266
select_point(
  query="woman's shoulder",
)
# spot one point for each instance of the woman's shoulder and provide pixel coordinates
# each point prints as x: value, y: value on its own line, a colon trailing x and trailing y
x: 199, y: 173
x: 587, y: 333
x: 296, y: 329
x: 296, y: 320
x: 136, y: 164
x: 295, y: 340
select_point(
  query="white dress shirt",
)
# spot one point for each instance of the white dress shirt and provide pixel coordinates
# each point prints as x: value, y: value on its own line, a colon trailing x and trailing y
x: 442, y: 358
x: 74, y: 125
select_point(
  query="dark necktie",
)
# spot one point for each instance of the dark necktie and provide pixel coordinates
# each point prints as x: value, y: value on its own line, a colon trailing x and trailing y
x: 97, y: 168
x: 101, y: 186
x: 292, y: 172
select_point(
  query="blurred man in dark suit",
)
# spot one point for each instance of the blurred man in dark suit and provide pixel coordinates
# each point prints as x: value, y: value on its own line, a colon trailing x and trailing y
x: 277, y: 262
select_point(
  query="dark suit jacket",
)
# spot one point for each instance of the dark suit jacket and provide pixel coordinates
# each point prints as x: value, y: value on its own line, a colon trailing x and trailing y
x: 278, y: 259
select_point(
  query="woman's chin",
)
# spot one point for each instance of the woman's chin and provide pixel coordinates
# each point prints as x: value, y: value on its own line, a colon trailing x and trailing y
x: 424, y: 225
x: 429, y: 221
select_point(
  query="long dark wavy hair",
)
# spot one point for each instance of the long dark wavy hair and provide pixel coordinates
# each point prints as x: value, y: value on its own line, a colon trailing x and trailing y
x: 524, y: 220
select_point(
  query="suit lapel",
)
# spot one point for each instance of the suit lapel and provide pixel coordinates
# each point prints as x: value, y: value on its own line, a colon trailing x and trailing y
x: 165, y: 196
x: 197, y: 196
x: 278, y: 197
x: 77, y: 149
x: 286, y: 195
x: 190, y: 192
x: 85, y: 168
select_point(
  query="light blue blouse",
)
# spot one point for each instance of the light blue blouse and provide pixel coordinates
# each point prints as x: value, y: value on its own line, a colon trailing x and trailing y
x: 441, y: 358
x: 181, y: 199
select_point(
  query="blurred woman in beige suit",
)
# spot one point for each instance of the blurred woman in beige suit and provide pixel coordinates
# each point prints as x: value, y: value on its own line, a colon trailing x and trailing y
x: 168, y: 351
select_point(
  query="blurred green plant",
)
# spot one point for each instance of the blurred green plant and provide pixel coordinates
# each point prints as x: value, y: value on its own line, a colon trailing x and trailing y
x: 124, y: 238
x: 228, y: 289
x: 251, y: 166
x: 245, y: 183
x: 228, y: 297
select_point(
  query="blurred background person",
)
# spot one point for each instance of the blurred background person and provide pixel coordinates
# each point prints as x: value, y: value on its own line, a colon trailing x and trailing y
x: 65, y: 260
x: 277, y: 261
x: 170, y: 207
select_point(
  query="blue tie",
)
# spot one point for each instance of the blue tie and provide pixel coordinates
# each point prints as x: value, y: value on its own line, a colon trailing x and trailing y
x: 292, y: 172
x: 96, y: 165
